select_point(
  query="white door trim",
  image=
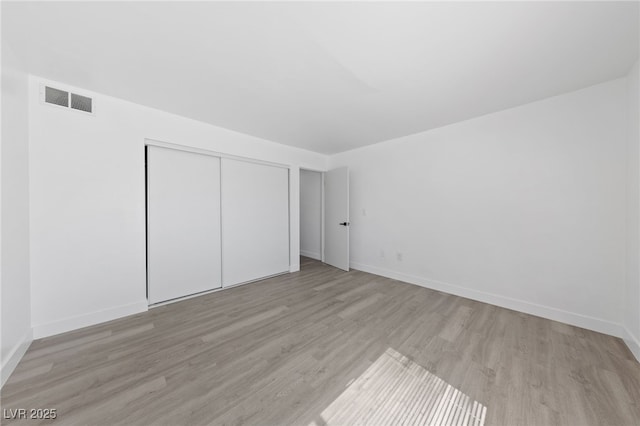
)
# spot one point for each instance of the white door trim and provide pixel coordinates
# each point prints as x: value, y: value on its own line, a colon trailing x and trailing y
x: 152, y: 142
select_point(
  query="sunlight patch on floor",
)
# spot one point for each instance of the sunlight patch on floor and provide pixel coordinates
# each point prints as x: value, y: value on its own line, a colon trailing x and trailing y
x: 396, y: 391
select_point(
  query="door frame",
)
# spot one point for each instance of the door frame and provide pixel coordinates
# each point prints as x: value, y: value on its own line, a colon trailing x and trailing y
x: 212, y: 153
x: 322, y: 172
x: 153, y: 142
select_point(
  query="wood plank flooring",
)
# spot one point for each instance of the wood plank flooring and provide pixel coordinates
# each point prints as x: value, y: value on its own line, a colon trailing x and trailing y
x: 306, y: 348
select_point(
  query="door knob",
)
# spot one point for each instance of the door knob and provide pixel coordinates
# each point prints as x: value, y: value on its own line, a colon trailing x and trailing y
x: 344, y: 223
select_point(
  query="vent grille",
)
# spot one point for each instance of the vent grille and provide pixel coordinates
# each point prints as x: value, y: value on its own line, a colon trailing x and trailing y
x: 81, y: 103
x: 56, y: 97
x: 68, y: 100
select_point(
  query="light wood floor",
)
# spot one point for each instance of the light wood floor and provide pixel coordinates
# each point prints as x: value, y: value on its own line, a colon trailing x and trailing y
x: 302, y: 348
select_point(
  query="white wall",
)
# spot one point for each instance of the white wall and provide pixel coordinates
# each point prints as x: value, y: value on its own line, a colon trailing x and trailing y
x: 88, y: 202
x: 524, y: 208
x: 632, y: 298
x: 311, y: 214
x: 14, y: 290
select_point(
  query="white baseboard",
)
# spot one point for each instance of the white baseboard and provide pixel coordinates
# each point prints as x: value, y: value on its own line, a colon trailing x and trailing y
x: 571, y: 318
x: 295, y: 267
x: 633, y: 343
x: 311, y: 254
x: 74, y: 323
x: 14, y: 357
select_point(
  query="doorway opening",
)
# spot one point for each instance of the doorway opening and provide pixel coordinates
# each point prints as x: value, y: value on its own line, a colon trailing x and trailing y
x: 324, y: 217
x: 311, y: 217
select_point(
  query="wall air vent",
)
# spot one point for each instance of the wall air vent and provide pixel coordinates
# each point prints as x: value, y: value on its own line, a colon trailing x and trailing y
x: 81, y: 103
x: 68, y: 100
x: 56, y: 97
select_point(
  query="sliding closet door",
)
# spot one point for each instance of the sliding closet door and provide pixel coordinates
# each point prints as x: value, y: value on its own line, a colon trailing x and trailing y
x: 183, y: 223
x: 255, y: 221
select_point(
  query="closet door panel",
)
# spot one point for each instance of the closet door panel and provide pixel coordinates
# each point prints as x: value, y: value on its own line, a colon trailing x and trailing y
x: 183, y: 223
x: 255, y: 221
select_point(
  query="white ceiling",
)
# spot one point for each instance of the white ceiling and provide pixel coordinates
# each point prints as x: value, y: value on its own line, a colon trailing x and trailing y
x: 327, y: 76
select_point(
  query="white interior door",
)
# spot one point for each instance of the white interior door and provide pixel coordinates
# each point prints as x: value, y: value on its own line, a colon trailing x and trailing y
x: 336, y: 218
x: 183, y: 223
x: 255, y: 221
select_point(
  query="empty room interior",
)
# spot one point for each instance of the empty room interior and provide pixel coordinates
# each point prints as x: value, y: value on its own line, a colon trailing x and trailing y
x: 320, y: 213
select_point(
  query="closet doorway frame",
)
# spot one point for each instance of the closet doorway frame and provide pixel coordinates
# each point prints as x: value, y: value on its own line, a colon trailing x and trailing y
x: 203, y: 151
